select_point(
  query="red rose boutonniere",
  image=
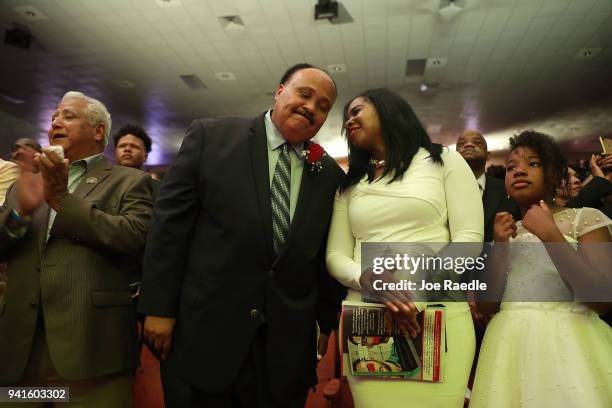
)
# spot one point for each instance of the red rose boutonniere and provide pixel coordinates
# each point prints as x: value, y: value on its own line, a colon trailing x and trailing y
x: 313, y: 154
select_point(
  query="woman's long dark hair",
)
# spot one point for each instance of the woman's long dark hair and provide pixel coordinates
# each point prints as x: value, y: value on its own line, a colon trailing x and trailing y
x: 403, y: 135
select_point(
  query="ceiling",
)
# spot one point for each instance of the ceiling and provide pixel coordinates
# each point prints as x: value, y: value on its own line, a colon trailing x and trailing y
x: 503, y: 65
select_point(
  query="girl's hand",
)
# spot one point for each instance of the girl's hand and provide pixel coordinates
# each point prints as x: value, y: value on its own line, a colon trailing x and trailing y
x: 504, y: 227
x: 539, y: 221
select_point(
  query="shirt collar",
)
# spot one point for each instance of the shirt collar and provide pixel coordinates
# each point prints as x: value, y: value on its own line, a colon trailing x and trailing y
x: 482, y: 181
x: 275, y: 138
x: 89, y: 162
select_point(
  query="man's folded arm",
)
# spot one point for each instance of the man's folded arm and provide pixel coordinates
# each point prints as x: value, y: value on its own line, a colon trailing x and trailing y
x: 123, y: 233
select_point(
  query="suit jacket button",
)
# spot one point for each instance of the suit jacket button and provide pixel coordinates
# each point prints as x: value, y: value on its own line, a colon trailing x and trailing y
x: 254, y: 313
x: 33, y: 305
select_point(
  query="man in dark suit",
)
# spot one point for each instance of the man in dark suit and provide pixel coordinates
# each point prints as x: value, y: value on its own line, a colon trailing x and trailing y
x: 473, y: 147
x: 69, y: 234
x: 234, y: 267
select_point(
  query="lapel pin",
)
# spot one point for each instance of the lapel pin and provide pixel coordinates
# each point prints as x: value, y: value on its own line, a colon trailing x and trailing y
x: 91, y: 180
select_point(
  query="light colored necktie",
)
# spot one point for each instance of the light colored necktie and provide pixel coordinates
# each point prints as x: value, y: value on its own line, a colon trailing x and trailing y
x: 280, y: 192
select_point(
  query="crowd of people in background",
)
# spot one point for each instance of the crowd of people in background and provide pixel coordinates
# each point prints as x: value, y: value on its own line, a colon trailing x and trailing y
x: 254, y: 240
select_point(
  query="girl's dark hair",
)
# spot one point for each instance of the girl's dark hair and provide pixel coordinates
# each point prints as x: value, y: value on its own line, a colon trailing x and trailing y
x: 554, y: 163
x: 403, y: 135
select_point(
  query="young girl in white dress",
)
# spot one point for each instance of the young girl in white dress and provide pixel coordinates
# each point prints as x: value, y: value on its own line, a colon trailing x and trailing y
x: 543, y: 348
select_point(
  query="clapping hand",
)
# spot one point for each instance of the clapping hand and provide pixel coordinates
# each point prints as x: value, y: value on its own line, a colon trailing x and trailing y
x: 29, y: 190
x: 55, y: 177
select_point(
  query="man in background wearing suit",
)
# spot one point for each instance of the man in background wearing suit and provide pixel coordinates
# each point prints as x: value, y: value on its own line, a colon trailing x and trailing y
x: 234, y: 274
x: 23, y: 150
x: 473, y: 147
x: 69, y: 233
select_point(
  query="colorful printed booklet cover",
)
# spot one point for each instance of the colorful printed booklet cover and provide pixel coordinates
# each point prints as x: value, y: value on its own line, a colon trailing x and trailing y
x: 372, y: 344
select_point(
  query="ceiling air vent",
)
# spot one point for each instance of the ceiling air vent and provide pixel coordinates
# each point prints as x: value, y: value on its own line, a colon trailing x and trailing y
x: 193, y: 82
x: 415, y: 67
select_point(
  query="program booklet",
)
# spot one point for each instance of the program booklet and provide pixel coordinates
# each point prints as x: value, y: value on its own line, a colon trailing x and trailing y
x: 372, y: 344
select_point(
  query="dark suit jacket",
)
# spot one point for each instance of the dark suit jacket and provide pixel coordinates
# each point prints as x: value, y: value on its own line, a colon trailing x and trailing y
x: 494, y: 200
x: 78, y: 277
x: 210, y: 262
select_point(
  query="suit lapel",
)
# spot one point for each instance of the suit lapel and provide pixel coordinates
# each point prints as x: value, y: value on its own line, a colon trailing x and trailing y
x: 258, y: 152
x: 41, y: 222
x: 93, y: 178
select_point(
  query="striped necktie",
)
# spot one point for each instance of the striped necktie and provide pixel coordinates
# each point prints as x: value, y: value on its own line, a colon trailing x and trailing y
x: 281, y: 185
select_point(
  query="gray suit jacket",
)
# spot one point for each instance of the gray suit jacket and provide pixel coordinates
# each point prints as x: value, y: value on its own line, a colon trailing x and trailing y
x: 78, y: 278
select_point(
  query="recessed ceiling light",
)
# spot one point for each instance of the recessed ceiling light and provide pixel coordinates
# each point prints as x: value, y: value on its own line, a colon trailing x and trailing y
x: 436, y: 62
x: 587, y: 53
x: 225, y: 76
x: 337, y: 68
x: 428, y: 86
x: 449, y: 10
x: 30, y: 13
x: 168, y: 3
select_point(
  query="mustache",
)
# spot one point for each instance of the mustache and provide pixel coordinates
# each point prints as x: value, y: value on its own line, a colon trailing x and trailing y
x: 306, y: 114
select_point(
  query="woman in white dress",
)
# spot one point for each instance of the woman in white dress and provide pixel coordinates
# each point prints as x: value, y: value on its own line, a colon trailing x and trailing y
x: 542, y: 349
x: 401, y: 187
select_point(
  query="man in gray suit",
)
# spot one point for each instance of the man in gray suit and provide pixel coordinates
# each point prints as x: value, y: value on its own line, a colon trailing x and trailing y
x: 69, y: 234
